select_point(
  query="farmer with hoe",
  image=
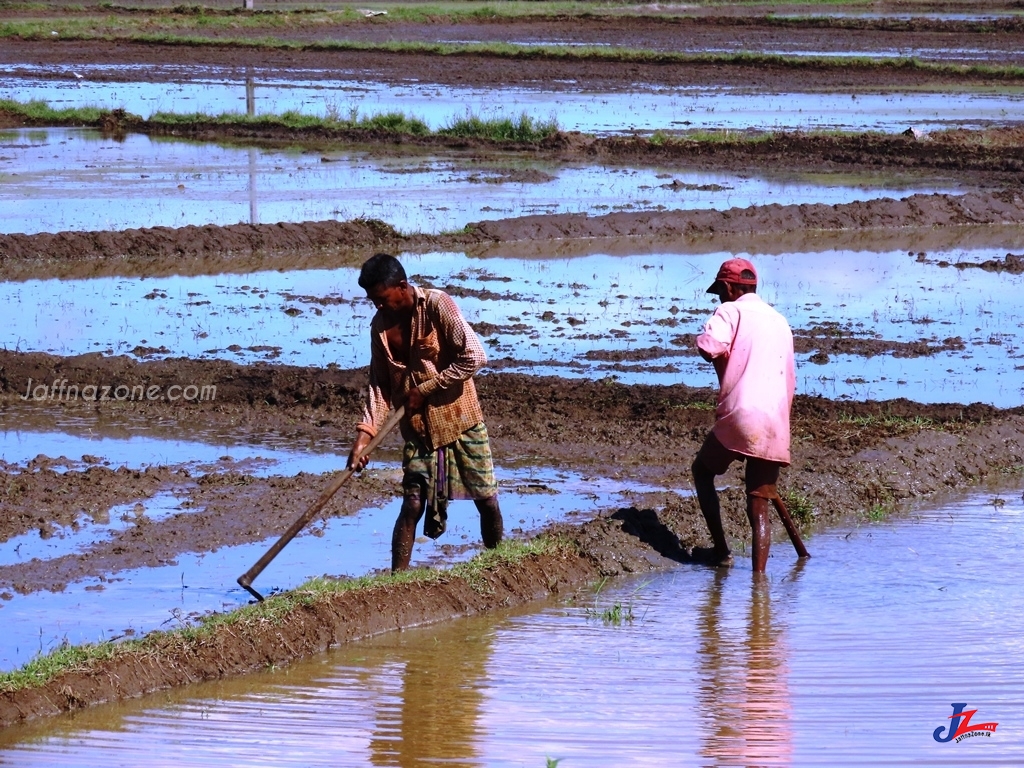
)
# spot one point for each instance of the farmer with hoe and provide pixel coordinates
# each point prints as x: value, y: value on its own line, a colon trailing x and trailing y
x: 751, y: 346
x: 423, y: 355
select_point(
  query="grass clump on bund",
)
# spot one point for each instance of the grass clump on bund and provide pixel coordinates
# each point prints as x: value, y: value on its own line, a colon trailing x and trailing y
x: 523, y: 129
x: 276, y: 611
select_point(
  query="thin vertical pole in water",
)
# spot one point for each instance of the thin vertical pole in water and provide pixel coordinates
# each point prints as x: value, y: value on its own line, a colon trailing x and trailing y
x: 250, y: 110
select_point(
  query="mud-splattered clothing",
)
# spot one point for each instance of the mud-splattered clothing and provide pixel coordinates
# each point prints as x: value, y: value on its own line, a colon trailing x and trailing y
x: 444, y: 353
x: 752, y: 347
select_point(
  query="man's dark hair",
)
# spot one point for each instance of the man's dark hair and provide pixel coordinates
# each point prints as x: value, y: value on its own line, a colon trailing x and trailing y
x: 381, y: 269
x: 746, y: 274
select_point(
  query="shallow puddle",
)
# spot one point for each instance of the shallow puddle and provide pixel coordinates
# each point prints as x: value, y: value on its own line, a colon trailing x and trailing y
x: 58, y: 179
x: 645, y: 109
x: 858, y: 657
x: 131, y: 602
x: 90, y: 448
x: 596, y: 316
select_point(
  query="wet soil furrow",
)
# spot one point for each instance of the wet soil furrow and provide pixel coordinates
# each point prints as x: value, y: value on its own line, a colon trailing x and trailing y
x: 24, y: 256
x: 478, y: 69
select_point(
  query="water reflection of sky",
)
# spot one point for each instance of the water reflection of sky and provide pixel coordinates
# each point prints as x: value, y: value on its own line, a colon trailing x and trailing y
x: 853, y: 659
x: 648, y: 109
x: 145, y: 599
x: 560, y: 317
x: 61, y: 179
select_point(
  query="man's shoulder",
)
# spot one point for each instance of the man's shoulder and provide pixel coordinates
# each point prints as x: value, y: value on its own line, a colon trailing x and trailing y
x: 751, y: 302
x: 439, y: 302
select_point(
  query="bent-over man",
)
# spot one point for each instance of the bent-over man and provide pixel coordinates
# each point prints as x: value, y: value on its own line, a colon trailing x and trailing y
x: 751, y: 346
x: 423, y: 355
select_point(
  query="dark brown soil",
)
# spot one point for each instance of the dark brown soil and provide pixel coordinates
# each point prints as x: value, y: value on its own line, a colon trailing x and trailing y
x: 211, y: 249
x: 633, y: 432
x: 847, y: 456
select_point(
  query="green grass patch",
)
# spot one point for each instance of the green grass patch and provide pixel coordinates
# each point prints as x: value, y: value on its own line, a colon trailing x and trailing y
x: 40, y: 112
x: 275, y: 609
x: 617, y: 613
x: 800, y: 507
x: 522, y: 129
x: 877, y: 513
x: 893, y: 424
x: 393, y: 122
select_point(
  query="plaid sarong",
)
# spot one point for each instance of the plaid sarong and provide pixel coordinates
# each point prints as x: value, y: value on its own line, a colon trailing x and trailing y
x: 463, y: 469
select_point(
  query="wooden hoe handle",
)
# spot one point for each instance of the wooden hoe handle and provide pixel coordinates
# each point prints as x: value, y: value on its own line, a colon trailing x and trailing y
x: 245, y: 580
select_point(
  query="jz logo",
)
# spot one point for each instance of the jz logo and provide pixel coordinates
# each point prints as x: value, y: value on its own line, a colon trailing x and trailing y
x: 960, y: 727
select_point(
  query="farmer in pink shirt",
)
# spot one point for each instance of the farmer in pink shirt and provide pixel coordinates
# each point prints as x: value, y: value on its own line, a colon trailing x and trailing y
x: 751, y: 347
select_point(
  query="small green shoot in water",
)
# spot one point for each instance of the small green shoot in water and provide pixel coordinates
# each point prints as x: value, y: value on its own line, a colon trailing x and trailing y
x: 800, y: 507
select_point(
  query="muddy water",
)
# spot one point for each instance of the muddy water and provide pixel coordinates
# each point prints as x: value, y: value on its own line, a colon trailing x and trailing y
x: 621, y: 316
x: 214, y: 92
x: 131, y: 602
x: 59, y: 179
x: 853, y: 659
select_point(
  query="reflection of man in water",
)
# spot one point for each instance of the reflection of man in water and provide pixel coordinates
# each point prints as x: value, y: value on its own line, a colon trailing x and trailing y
x: 751, y: 347
x: 423, y: 355
x: 433, y: 719
x: 744, y: 694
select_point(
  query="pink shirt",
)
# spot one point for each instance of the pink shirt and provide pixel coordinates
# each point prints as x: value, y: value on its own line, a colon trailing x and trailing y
x: 752, y: 348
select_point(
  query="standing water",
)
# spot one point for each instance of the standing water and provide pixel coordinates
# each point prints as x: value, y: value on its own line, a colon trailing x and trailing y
x: 861, y: 656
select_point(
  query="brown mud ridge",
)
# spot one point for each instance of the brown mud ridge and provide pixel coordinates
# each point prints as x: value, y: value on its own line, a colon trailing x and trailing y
x: 210, y: 249
x: 848, y: 457
x: 313, y: 48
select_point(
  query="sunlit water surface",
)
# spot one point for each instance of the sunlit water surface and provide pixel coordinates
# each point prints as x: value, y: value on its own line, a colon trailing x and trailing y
x: 57, y: 179
x: 856, y: 658
x: 568, y: 317
x: 139, y: 600
x: 645, y: 109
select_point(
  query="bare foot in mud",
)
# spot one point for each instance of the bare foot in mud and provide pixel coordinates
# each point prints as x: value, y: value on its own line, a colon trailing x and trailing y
x: 712, y: 557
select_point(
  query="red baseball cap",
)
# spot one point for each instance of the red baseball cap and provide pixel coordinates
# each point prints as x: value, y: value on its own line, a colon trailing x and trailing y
x: 732, y: 271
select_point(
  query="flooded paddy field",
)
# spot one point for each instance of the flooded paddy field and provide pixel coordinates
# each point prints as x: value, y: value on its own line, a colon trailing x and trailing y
x: 576, y: 107
x: 125, y: 520
x: 60, y: 179
x: 63, y: 584
x: 869, y: 325
x: 763, y: 674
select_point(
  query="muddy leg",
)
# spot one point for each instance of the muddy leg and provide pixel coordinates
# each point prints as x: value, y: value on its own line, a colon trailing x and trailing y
x: 761, y: 524
x: 491, y: 526
x: 405, y: 527
x: 707, y: 497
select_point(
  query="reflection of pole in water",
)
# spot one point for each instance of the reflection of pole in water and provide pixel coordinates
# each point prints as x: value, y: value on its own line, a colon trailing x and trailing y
x: 250, y: 110
x: 744, y: 694
x: 253, y: 214
x: 250, y: 95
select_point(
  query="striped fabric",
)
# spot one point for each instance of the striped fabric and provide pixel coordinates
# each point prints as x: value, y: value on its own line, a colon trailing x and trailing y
x: 466, y: 466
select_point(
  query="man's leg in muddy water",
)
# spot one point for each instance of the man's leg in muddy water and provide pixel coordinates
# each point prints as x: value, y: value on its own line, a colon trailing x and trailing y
x: 707, y: 497
x: 758, y: 513
x: 761, y: 479
x: 405, y: 527
x: 491, y: 525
